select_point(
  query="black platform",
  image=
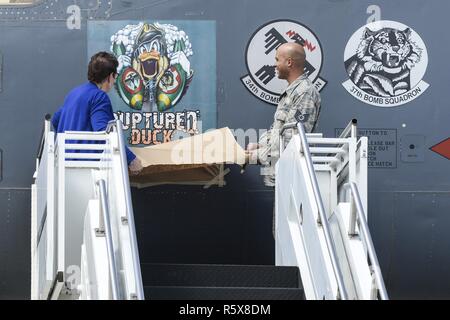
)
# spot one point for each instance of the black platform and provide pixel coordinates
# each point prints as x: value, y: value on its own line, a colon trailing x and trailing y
x: 220, y: 282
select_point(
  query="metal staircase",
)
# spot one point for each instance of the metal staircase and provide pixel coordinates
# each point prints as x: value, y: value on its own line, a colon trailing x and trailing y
x: 321, y: 215
x: 84, y: 242
x: 83, y: 238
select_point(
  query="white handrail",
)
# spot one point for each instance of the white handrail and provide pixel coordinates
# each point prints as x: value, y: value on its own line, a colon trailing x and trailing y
x: 45, y: 129
x: 367, y: 239
x: 323, y: 218
x: 129, y: 208
x: 350, y: 129
x: 109, y: 243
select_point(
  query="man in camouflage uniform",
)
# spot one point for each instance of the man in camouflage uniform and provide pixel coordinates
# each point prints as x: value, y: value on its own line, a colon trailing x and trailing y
x: 299, y: 102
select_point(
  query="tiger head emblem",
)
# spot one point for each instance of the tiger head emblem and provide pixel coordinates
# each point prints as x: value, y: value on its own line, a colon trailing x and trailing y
x: 383, y: 61
x: 389, y: 47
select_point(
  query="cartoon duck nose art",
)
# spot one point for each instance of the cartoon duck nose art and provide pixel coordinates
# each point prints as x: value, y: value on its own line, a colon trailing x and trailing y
x: 153, y: 65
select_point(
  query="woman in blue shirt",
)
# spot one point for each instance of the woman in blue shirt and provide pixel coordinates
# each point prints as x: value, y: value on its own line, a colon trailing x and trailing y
x: 88, y: 107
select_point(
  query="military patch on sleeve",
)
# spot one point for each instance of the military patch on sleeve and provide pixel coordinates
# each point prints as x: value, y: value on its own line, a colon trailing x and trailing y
x: 301, y: 117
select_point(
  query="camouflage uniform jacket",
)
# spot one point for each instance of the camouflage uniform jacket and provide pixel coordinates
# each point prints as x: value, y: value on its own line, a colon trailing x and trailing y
x: 299, y: 102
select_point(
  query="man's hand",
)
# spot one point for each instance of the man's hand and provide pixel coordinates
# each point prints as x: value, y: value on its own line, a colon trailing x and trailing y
x: 135, y: 167
x: 252, y: 146
x: 251, y: 156
x: 251, y: 153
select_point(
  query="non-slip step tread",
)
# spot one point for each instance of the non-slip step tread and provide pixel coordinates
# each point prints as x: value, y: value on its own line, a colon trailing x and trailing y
x: 186, y: 275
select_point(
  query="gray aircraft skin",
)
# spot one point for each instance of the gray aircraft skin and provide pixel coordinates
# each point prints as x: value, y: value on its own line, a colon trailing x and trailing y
x: 44, y: 53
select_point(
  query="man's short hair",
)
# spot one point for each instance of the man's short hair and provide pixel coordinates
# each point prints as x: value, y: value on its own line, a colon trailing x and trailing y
x: 102, y: 64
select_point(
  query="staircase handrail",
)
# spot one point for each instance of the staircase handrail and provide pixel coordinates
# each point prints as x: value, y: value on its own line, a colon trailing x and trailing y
x: 304, y: 148
x: 350, y: 130
x: 117, y: 124
x: 364, y: 229
x: 109, y: 242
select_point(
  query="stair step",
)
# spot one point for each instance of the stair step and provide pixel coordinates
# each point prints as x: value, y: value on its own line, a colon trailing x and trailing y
x: 202, y: 293
x: 195, y: 275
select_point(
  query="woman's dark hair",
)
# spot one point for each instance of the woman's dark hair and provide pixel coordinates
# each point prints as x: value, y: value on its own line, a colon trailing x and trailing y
x: 102, y: 64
